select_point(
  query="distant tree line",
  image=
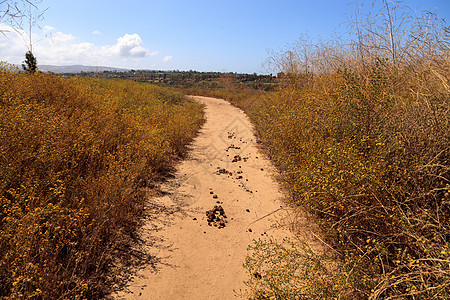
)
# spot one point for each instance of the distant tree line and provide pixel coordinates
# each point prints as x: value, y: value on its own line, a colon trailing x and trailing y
x: 185, y: 79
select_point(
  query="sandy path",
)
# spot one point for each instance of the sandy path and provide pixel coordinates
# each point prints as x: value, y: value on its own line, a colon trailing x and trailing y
x: 198, y: 261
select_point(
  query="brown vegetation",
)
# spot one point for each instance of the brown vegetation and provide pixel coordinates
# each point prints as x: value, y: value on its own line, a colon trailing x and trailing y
x: 361, y: 135
x: 76, y: 159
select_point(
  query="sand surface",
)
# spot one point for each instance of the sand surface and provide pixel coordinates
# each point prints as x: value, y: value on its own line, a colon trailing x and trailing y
x: 196, y: 260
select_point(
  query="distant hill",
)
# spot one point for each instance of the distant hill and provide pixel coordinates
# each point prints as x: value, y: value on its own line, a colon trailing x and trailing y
x: 77, y: 69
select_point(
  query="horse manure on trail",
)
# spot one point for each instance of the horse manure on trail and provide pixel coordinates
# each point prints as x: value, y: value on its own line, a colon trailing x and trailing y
x: 223, y: 171
x: 236, y: 158
x: 216, y: 216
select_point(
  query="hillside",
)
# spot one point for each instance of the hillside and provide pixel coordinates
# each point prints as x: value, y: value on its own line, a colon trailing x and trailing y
x: 77, y: 69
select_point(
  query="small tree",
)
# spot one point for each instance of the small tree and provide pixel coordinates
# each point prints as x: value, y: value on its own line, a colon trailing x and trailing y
x: 30, y: 63
x: 23, y: 16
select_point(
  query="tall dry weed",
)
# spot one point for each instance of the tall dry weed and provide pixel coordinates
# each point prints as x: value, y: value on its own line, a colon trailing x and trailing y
x: 361, y: 135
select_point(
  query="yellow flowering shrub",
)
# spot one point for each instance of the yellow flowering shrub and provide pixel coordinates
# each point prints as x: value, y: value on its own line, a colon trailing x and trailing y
x: 75, y: 157
x: 369, y: 158
x: 365, y: 149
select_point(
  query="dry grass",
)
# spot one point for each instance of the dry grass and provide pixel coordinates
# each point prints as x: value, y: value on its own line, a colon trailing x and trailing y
x: 371, y: 161
x: 361, y: 134
x: 75, y: 155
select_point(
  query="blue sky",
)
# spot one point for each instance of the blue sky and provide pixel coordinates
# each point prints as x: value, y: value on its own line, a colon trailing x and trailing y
x: 226, y: 35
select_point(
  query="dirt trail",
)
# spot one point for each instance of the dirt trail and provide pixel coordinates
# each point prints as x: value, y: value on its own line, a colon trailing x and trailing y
x: 199, y: 261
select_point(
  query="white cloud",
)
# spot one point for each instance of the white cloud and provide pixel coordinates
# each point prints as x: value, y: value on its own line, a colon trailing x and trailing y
x: 65, y: 49
x: 130, y: 45
x: 12, y: 44
x: 61, y: 38
x: 96, y: 32
x: 167, y: 58
x: 48, y: 28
